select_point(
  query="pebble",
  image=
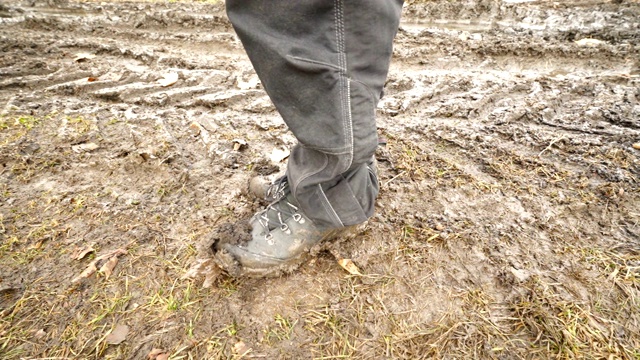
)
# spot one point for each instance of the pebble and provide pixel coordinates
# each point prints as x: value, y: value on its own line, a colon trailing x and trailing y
x: 636, y: 146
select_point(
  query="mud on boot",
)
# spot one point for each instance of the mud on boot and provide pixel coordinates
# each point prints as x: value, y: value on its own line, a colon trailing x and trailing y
x: 278, y: 240
x: 263, y: 189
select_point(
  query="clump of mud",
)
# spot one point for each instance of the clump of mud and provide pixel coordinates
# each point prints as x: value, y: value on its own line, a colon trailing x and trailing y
x: 238, y: 233
x: 264, y: 167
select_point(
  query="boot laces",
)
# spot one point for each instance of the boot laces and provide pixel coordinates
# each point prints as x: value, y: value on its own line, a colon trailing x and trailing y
x: 275, y: 216
x: 278, y: 190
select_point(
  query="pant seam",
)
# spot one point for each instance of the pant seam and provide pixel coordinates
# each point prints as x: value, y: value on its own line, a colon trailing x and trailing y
x: 350, y: 123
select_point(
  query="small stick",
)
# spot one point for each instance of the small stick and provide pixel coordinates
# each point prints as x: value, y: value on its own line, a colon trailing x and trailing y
x: 551, y: 144
x: 393, y: 178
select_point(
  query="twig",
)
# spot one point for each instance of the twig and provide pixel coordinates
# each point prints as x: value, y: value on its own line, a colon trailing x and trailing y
x: 551, y: 144
x: 393, y: 178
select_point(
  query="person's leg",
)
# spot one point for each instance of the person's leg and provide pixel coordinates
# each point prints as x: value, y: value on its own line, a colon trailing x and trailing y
x: 323, y: 64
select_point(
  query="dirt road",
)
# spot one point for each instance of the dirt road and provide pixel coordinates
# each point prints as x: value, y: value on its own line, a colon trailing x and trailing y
x: 507, y: 226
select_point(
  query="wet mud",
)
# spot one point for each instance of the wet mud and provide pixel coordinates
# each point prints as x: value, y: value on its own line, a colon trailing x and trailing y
x: 506, y: 227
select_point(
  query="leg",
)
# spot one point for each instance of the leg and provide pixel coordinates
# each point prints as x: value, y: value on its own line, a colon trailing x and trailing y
x: 323, y: 64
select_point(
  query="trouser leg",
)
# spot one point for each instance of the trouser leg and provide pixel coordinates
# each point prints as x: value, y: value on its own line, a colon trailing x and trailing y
x: 323, y: 64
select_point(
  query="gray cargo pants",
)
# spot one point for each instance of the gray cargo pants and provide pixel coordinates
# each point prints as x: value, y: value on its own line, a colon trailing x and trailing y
x: 324, y: 64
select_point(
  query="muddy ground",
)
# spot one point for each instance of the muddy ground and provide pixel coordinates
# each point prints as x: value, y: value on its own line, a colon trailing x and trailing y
x: 507, y: 226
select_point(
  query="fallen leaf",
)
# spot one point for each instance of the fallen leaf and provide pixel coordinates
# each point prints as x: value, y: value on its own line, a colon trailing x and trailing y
x: 80, y: 57
x: 90, y: 270
x: 211, y: 278
x: 84, y: 147
x: 81, y: 253
x: 107, y: 268
x: 589, y: 42
x: 92, y: 79
x: 118, y: 335
x: 93, y: 266
x: 206, y: 268
x: 197, y: 269
x: 164, y: 356
x: 348, y: 265
x: 169, y: 79
x: 636, y: 146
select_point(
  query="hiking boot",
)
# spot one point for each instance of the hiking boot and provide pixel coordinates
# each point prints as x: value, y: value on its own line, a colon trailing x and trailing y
x: 281, y: 238
x: 263, y: 189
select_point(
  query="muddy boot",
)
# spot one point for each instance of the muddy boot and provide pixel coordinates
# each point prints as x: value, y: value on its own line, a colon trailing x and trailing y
x: 269, y: 191
x: 281, y: 237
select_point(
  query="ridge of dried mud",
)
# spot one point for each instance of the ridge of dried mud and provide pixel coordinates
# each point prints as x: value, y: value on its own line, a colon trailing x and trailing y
x: 507, y: 225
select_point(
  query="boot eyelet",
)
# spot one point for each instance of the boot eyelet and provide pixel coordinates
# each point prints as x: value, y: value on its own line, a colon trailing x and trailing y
x: 298, y: 218
x: 269, y: 238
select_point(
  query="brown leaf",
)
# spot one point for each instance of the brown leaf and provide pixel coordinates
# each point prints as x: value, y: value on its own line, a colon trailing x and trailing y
x: 79, y: 254
x: 92, y: 79
x: 163, y: 356
x: 204, y: 267
x: 348, y: 265
x: 107, y: 268
x: 118, y: 335
x: 93, y: 266
x: 87, y: 272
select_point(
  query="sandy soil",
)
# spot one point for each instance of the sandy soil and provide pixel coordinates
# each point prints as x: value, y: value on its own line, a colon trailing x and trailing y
x: 507, y: 226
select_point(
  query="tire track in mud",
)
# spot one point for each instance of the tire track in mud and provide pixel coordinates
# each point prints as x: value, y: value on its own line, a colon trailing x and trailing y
x: 127, y: 56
